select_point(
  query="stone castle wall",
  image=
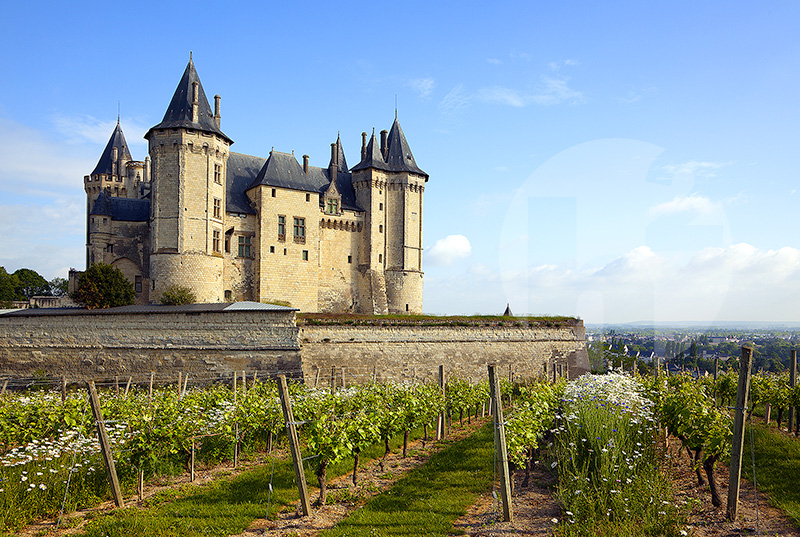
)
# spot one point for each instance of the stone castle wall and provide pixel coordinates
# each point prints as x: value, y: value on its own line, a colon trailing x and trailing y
x: 101, y: 345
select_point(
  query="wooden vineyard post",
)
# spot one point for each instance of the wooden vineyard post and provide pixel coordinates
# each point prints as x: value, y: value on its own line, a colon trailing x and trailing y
x: 185, y: 383
x: 116, y: 384
x: 140, y: 485
x: 316, y: 378
x: 501, y: 451
x: 792, y: 384
x: 235, y: 427
x: 344, y: 382
x: 441, y: 418
x: 180, y: 382
x: 294, y: 444
x: 737, y: 448
x: 191, y: 471
x: 150, y: 389
x: 128, y: 386
x: 5, y: 385
x: 105, y: 446
x: 64, y: 389
x: 333, y: 380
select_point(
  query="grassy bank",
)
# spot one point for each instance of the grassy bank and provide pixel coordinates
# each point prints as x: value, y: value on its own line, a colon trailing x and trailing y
x: 430, y: 498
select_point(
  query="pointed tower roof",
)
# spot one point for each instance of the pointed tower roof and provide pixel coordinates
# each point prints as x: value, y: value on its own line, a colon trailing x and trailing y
x: 117, y: 141
x: 342, y: 167
x: 508, y: 313
x: 398, y: 153
x: 179, y: 113
x: 373, y: 157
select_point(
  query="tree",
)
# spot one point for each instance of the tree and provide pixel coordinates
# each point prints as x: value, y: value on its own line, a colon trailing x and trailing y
x: 30, y: 283
x: 104, y: 286
x: 7, y: 285
x: 58, y: 286
x: 178, y: 295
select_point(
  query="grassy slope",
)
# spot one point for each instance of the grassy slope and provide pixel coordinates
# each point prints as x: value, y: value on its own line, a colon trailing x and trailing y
x: 429, y: 498
x: 777, y: 468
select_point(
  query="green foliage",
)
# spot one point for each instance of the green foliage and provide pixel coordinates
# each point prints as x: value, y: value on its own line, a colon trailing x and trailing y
x: 58, y: 286
x: 30, y: 283
x: 178, y: 295
x: 104, y: 286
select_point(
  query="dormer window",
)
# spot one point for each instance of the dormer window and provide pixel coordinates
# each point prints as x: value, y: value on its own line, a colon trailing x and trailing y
x: 332, y: 206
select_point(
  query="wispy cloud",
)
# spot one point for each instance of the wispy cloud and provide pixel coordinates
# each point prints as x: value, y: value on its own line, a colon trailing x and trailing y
x: 78, y: 129
x: 695, y: 168
x: 694, y: 204
x: 447, y: 250
x: 456, y: 101
x: 423, y: 87
x: 494, y: 61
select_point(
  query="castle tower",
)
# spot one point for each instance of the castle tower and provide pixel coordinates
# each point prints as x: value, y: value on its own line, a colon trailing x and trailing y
x: 389, y: 187
x: 189, y: 155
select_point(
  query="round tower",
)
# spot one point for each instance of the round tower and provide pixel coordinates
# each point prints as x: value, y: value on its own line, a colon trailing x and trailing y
x: 189, y: 155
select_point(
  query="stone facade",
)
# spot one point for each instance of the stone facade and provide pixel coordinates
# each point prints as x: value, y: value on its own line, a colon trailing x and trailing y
x: 237, y: 227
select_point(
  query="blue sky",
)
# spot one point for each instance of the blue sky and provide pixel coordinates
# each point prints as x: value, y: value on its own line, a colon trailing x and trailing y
x: 623, y: 161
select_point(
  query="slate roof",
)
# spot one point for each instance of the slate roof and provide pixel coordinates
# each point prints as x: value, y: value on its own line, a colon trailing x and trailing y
x: 398, y: 153
x: 121, y: 209
x: 179, y: 113
x: 241, y: 172
x: 106, y: 163
x: 282, y: 170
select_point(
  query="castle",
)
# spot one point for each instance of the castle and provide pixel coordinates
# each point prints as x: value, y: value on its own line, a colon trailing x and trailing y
x: 236, y: 227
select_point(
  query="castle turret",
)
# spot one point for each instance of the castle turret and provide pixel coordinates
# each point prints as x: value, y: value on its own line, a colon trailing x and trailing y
x: 189, y: 155
x: 389, y: 187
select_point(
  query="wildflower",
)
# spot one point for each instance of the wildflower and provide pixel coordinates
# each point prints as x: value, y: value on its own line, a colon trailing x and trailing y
x: 554, y: 520
x: 42, y: 486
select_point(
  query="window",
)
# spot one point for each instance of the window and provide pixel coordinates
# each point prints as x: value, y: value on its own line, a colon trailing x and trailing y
x: 228, y: 295
x: 380, y: 228
x: 272, y: 249
x: 281, y: 227
x: 217, y: 208
x: 215, y: 240
x: 332, y: 206
x: 105, y: 220
x: 284, y: 251
x: 299, y: 229
x: 218, y: 174
x: 137, y: 284
x: 380, y: 258
x: 244, y: 246
x: 110, y: 248
x: 305, y: 255
x: 273, y: 192
x: 349, y: 258
x: 380, y: 206
x: 227, y: 243
x: 308, y: 197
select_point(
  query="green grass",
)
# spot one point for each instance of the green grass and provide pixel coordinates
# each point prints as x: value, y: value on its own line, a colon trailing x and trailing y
x: 777, y: 468
x: 225, y: 507
x: 429, y: 498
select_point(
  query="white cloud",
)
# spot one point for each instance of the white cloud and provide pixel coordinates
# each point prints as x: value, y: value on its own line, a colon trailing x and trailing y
x: 494, y: 61
x: 694, y: 204
x: 695, y: 168
x: 550, y: 91
x: 456, y: 101
x: 447, y: 250
x: 84, y: 128
x: 423, y: 87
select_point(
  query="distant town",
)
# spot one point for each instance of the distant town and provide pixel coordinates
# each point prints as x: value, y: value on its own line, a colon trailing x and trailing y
x: 695, y: 350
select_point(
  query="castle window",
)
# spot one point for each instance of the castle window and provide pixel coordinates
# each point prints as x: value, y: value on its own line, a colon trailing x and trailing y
x: 349, y: 258
x: 380, y: 228
x: 228, y: 295
x: 299, y: 229
x: 281, y: 227
x: 284, y: 251
x: 308, y: 197
x: 305, y: 255
x: 217, y: 208
x: 380, y: 258
x: 110, y: 248
x: 380, y: 206
x: 138, y: 284
x: 227, y: 243
x: 332, y: 206
x: 215, y: 241
x: 218, y: 174
x: 272, y: 249
x: 244, y: 246
x: 273, y: 192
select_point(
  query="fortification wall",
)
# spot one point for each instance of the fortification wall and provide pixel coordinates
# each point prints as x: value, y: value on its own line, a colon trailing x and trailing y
x: 408, y: 352
x: 104, y: 345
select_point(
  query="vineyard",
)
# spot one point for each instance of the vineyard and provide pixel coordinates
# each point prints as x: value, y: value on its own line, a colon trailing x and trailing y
x: 602, y: 436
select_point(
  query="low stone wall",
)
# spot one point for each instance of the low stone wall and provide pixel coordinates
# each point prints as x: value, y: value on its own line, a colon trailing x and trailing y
x: 408, y: 353
x: 102, y: 344
x: 211, y: 341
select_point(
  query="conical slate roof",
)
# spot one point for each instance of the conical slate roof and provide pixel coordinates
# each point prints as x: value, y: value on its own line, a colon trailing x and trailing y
x: 179, y: 113
x: 398, y: 153
x: 117, y: 141
x: 373, y: 158
x: 342, y: 167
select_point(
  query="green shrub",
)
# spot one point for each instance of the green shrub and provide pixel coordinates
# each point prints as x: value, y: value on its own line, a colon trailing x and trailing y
x: 178, y: 295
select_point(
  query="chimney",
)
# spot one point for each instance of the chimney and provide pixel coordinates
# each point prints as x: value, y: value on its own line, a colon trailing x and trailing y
x: 333, y: 168
x: 217, y: 117
x: 305, y: 164
x: 363, y: 145
x: 335, y: 155
x: 195, y: 100
x: 383, y: 143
